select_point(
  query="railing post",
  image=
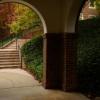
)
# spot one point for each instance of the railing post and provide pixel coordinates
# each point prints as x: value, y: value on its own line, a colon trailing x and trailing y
x: 16, y: 43
x: 21, y: 59
x: 20, y: 56
x: 2, y: 43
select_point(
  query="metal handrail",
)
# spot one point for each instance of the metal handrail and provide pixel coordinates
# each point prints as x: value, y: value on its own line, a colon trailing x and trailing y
x: 17, y: 46
x: 20, y: 55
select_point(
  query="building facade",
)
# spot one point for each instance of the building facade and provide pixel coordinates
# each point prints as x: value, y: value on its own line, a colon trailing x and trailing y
x: 88, y: 11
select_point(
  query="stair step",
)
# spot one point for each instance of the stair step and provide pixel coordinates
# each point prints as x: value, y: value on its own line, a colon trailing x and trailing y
x: 9, y: 63
x: 4, y: 60
x: 9, y: 60
x: 9, y: 54
x: 9, y: 57
x: 12, y: 47
x: 6, y: 65
x: 10, y: 66
x: 5, y: 54
x: 8, y: 50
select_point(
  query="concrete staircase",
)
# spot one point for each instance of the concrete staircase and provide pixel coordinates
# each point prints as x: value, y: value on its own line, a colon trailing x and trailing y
x: 9, y: 56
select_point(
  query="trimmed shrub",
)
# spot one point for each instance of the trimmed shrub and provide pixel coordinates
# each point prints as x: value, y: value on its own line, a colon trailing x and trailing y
x: 88, y: 63
x: 32, y: 52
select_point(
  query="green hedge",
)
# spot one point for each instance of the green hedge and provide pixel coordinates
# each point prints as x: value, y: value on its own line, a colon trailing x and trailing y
x: 32, y: 52
x: 88, y: 63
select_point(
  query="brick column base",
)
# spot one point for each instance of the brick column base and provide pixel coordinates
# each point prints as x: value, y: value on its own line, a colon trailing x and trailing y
x: 60, y: 61
x: 53, y: 60
x: 70, y: 59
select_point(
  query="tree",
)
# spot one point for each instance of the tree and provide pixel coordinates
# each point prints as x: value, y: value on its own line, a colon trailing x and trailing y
x: 97, y: 3
x: 26, y: 18
x: 6, y: 12
x: 92, y: 2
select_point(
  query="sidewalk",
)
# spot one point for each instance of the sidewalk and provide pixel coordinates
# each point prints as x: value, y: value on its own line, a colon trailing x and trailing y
x: 12, y: 78
x: 17, y: 84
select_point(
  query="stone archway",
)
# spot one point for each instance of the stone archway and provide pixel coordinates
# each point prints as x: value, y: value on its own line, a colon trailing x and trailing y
x: 59, y: 41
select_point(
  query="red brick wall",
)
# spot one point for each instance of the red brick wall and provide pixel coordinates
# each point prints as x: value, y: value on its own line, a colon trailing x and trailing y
x: 34, y: 33
x: 88, y: 11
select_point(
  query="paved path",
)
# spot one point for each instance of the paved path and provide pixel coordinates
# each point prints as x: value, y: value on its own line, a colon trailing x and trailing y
x: 37, y: 93
x: 12, y: 78
x: 17, y: 84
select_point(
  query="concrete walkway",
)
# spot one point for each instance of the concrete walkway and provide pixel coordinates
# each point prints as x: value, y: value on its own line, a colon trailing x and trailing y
x: 17, y: 84
x: 12, y: 78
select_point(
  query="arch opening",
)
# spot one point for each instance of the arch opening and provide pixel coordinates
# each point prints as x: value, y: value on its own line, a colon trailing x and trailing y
x: 32, y: 8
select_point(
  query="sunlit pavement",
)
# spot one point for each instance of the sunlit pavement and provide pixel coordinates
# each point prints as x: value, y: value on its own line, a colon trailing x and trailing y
x: 12, y: 78
x: 17, y: 84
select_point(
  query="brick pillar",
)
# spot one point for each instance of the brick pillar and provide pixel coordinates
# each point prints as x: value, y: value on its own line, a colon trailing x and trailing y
x: 53, y: 61
x: 60, y: 61
x: 70, y: 54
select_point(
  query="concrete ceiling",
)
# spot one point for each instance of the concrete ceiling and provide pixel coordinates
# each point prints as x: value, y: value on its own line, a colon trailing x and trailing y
x: 58, y: 16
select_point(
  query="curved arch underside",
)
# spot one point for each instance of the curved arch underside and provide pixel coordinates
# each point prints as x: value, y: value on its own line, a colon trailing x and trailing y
x: 59, y: 15
x: 31, y: 7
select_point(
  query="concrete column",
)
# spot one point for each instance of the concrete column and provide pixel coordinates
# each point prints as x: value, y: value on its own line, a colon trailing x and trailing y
x: 53, y: 60
x: 70, y: 57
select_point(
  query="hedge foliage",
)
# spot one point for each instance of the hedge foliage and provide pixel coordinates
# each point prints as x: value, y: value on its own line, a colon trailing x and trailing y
x: 88, y: 62
x: 32, y: 53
